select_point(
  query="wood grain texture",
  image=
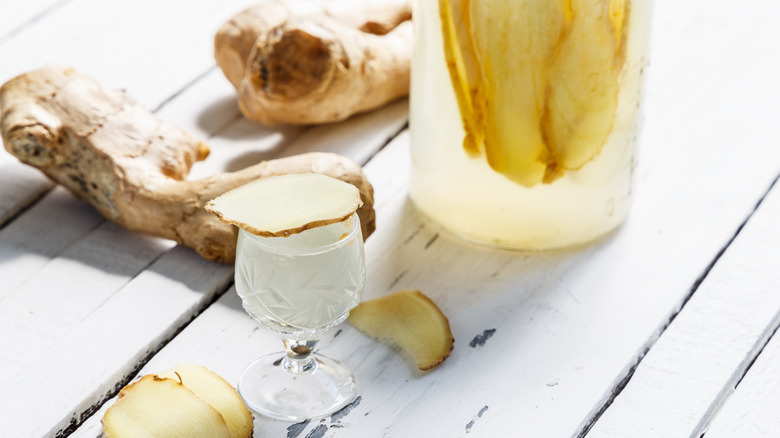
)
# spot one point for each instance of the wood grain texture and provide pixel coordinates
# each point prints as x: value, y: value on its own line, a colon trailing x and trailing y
x: 41, y: 234
x: 680, y: 384
x: 151, y: 49
x: 22, y: 186
x: 15, y: 16
x: 751, y: 411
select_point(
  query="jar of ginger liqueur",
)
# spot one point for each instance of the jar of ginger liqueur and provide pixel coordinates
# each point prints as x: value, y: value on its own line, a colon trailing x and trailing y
x: 525, y: 116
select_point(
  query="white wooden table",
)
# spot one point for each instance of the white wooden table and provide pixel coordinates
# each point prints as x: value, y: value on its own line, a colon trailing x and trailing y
x: 662, y: 330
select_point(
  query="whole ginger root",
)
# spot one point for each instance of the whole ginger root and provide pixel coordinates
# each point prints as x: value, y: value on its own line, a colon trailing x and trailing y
x: 316, y: 61
x: 131, y: 166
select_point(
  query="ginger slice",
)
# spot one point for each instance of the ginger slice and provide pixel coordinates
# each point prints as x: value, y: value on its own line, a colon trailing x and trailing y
x: 218, y: 393
x: 584, y: 82
x: 162, y: 408
x: 282, y: 205
x: 536, y: 82
x: 463, y: 66
x: 498, y: 66
x: 409, y: 320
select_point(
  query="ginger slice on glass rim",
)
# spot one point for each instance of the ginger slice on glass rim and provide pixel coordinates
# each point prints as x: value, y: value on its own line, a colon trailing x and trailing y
x: 282, y: 205
x: 409, y: 320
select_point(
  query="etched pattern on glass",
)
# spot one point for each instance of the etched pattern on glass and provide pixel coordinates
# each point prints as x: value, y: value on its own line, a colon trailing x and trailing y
x: 305, y: 294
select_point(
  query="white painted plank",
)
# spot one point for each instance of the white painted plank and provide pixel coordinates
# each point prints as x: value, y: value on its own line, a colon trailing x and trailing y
x: 149, y: 48
x: 21, y: 185
x: 15, y: 15
x: 87, y: 353
x: 244, y: 143
x: 751, y: 411
x: 44, y: 231
x: 206, y: 107
x: 363, y: 128
x: 701, y: 356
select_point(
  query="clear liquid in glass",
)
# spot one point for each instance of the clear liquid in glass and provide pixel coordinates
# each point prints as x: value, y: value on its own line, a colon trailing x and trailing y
x: 293, y: 290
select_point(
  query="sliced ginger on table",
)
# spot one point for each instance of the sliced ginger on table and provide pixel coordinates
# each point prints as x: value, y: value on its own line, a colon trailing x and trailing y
x: 409, y: 320
x: 187, y: 401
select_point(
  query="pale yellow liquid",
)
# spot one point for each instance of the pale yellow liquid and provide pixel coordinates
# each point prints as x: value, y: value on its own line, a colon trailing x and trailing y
x: 305, y: 283
x: 467, y: 197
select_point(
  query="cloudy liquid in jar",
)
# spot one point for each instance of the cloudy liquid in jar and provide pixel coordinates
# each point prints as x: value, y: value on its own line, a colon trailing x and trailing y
x: 468, y: 197
x: 303, y: 284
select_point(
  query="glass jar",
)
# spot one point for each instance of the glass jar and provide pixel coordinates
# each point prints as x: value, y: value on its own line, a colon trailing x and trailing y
x: 525, y: 116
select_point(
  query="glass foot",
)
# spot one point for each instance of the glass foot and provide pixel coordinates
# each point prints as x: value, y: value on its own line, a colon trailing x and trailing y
x: 269, y: 389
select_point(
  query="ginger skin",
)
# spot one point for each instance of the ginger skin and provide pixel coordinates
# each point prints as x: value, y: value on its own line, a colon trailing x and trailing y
x: 131, y: 166
x: 316, y: 61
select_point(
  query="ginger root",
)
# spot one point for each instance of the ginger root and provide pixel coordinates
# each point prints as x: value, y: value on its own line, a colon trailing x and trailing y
x: 131, y: 166
x: 316, y: 61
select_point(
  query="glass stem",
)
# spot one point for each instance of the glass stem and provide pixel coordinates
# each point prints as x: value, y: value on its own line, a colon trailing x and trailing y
x: 299, y: 358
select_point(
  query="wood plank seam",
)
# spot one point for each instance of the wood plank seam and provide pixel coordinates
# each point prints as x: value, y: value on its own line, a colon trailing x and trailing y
x: 387, y: 142
x: 758, y: 353
x: 750, y: 410
x: 186, y: 86
x: 616, y: 390
x: 238, y: 117
x: 726, y: 392
x: 146, y: 266
x: 753, y: 361
x: 32, y: 20
x: 28, y: 204
x: 620, y: 386
x: 76, y: 422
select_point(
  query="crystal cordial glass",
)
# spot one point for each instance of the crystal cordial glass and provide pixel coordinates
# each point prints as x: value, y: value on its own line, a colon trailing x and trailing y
x: 299, y: 287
